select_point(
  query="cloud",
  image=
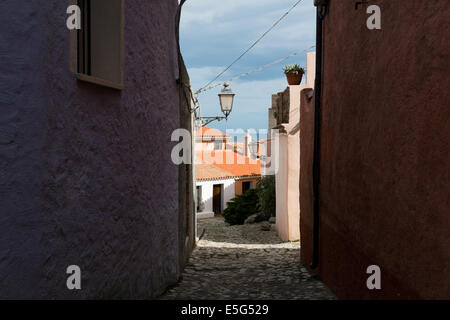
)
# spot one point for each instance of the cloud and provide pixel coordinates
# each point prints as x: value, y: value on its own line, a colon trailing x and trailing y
x: 208, y: 11
x: 251, y: 18
x: 215, y: 32
x: 200, y: 76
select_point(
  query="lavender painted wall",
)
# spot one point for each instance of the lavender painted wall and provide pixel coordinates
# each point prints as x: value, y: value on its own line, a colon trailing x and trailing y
x: 85, y: 171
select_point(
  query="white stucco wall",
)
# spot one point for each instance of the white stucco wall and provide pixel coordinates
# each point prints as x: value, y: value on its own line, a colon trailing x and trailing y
x: 206, y: 145
x: 228, y: 193
x: 288, y: 173
x: 272, y: 122
x: 281, y: 189
x: 287, y: 178
x: 310, y: 69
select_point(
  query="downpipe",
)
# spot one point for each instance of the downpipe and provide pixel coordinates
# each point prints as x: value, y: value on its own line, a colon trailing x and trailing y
x: 322, y: 11
x: 177, y: 37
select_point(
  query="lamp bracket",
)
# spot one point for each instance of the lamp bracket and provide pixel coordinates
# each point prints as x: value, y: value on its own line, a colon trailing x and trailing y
x: 207, y: 120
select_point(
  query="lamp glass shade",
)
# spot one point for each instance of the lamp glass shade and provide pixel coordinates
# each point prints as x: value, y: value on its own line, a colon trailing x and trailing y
x: 253, y: 147
x: 226, y: 97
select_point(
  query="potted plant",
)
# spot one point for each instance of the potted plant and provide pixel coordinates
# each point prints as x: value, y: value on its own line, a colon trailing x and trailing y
x: 294, y: 74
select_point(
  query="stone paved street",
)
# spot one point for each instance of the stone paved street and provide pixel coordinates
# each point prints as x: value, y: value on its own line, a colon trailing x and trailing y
x: 244, y: 262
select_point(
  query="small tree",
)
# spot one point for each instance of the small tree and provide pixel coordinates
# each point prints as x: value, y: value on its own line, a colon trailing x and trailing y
x: 267, y: 196
x: 261, y: 200
x: 241, y: 207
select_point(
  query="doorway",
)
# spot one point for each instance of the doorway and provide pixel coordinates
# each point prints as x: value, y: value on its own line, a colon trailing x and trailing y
x: 199, y: 199
x: 246, y: 185
x: 217, y: 198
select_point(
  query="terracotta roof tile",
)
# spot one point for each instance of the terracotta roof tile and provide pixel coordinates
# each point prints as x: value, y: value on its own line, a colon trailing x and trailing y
x: 229, y: 162
x: 209, y: 132
x: 206, y: 171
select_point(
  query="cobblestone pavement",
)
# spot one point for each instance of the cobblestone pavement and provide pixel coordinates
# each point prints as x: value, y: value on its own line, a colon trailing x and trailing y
x: 244, y: 262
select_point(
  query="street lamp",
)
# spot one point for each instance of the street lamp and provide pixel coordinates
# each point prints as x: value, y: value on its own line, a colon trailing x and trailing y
x: 253, y: 148
x: 226, y: 98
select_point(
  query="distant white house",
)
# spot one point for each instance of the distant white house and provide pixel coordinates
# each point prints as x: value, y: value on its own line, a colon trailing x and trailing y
x: 213, y: 193
x: 222, y: 171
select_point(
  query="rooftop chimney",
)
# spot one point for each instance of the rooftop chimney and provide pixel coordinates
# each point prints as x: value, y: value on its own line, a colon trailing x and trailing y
x: 247, y: 141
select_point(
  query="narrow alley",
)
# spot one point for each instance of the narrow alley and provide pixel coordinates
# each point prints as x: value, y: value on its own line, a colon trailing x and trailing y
x: 245, y: 262
x: 195, y: 150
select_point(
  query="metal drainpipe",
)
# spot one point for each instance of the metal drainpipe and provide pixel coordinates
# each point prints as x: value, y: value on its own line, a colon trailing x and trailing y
x: 322, y: 10
x: 177, y: 36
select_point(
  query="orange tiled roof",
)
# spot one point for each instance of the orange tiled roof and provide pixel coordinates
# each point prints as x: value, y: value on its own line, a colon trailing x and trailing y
x: 229, y: 162
x: 205, y: 171
x: 209, y: 132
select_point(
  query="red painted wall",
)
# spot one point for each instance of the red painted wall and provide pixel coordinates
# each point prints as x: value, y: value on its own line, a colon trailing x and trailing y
x: 306, y: 177
x: 385, y: 167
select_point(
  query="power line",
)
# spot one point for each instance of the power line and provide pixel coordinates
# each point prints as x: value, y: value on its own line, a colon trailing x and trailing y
x: 253, y: 45
x: 254, y: 70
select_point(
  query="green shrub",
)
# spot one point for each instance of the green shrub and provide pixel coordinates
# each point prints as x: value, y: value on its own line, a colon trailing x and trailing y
x: 261, y: 200
x: 293, y: 68
x: 241, y: 207
x: 267, y: 197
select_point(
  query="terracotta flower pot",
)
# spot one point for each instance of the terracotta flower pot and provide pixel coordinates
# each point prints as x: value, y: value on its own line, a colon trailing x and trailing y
x: 294, y: 79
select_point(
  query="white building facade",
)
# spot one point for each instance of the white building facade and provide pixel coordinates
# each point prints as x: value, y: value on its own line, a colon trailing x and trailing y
x: 213, y: 195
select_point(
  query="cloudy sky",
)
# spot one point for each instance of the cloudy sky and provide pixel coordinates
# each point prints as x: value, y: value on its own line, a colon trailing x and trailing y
x: 215, y: 32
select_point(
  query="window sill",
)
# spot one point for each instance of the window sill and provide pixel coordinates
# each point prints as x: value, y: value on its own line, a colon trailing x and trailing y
x: 98, y: 81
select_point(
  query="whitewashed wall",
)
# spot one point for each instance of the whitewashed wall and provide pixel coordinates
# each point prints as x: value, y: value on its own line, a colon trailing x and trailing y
x: 202, y: 145
x: 228, y: 193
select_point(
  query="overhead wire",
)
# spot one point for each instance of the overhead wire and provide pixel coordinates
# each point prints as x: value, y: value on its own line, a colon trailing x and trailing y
x: 252, y: 46
x: 254, y: 70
